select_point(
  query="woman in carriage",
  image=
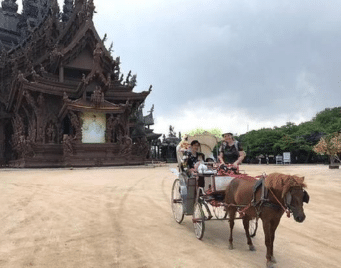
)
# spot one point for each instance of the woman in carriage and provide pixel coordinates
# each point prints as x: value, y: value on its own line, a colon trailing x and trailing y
x: 230, y: 151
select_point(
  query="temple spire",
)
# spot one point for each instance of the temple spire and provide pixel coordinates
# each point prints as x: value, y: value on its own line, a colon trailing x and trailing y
x: 55, y: 8
x: 67, y: 10
x: 80, y: 2
x: 9, y: 6
x: 32, y: 14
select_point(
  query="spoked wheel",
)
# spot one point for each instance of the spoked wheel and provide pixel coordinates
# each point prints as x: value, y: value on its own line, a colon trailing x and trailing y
x: 253, y: 225
x: 177, y: 204
x: 198, y: 220
x: 220, y: 212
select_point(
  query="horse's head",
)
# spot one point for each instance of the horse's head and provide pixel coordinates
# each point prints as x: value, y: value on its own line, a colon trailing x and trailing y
x: 292, y: 192
x: 294, y: 199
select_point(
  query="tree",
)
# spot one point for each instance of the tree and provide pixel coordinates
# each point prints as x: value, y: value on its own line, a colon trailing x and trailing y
x: 330, y: 145
x: 329, y: 119
x: 215, y: 131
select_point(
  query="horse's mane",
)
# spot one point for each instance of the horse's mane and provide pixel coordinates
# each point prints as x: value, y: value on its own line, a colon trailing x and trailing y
x: 283, y: 182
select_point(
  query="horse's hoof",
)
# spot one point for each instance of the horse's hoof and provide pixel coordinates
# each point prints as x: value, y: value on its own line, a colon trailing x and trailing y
x: 270, y: 264
x: 273, y: 260
x: 252, y: 248
x: 230, y: 246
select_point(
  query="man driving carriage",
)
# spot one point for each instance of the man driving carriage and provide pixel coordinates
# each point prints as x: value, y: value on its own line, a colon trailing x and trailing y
x: 230, y: 151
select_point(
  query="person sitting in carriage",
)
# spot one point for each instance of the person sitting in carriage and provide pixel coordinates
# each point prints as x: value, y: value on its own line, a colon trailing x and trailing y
x: 230, y: 151
x: 193, y: 155
x: 194, y: 158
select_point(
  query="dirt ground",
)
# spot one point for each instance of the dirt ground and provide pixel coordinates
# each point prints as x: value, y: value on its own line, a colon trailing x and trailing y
x: 109, y: 217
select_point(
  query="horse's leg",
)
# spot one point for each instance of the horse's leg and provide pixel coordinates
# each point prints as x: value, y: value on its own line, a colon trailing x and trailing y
x: 274, y: 225
x: 268, y: 237
x: 246, y: 223
x: 232, y: 213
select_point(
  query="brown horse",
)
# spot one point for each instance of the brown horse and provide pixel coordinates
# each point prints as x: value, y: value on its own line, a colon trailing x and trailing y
x: 285, y: 192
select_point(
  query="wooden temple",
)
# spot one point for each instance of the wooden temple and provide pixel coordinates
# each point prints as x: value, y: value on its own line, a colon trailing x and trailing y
x: 63, y: 98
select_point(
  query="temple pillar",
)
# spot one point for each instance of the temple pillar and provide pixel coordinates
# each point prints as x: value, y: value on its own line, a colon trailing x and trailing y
x: 61, y: 74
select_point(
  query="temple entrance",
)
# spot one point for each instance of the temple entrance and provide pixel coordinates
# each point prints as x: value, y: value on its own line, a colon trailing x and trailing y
x: 67, y: 129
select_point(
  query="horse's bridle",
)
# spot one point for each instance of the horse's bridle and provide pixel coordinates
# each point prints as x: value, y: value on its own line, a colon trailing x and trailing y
x: 286, y: 209
x: 288, y: 199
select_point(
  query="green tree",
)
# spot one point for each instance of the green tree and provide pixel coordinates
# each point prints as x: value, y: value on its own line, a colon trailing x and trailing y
x: 215, y: 131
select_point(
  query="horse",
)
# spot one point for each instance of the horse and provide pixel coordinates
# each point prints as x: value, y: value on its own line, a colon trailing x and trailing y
x: 285, y: 194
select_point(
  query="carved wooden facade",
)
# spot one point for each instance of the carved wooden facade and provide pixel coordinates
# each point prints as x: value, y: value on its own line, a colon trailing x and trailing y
x: 58, y: 73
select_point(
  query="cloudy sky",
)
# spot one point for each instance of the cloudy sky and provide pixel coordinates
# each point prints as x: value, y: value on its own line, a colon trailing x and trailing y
x: 231, y: 64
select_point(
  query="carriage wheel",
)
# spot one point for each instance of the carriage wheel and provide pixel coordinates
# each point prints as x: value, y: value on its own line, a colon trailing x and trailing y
x: 220, y: 212
x: 177, y: 204
x: 253, y: 225
x: 198, y: 220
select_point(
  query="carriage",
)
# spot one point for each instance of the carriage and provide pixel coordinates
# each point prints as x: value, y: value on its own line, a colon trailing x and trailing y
x: 205, y: 203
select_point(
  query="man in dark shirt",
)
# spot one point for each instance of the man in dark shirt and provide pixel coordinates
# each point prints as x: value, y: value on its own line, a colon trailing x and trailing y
x: 230, y: 151
x: 193, y: 155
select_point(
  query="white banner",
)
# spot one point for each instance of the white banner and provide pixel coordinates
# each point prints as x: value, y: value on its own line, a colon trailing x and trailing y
x: 93, y: 129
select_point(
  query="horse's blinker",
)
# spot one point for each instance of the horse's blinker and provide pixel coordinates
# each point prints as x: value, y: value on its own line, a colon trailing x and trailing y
x: 288, y: 199
x: 305, y: 197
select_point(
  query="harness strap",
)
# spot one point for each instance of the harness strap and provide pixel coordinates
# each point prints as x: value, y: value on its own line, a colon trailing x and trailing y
x: 264, y: 193
x: 284, y: 209
x: 264, y: 200
x: 242, y: 212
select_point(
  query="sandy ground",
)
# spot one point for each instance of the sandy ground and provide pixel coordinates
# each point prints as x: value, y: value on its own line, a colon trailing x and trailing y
x: 106, y: 217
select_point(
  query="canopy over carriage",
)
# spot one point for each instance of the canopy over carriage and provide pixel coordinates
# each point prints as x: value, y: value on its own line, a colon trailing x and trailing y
x: 207, y: 143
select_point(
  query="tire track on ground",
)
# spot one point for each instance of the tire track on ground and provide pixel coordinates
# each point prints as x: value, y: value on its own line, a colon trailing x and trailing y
x: 97, y: 243
x: 120, y: 235
x: 316, y: 240
x: 165, y: 195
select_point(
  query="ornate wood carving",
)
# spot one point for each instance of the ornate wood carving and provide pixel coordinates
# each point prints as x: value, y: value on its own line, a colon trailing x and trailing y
x: 116, y: 129
x: 67, y: 145
x: 39, y: 110
x: 97, y: 97
x: 126, y: 146
x: 21, y: 145
x: 51, y: 133
x: 76, y: 124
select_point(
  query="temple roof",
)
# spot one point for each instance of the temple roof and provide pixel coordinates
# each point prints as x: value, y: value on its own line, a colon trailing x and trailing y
x: 149, y: 119
x: 72, y: 44
x: 96, y: 103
